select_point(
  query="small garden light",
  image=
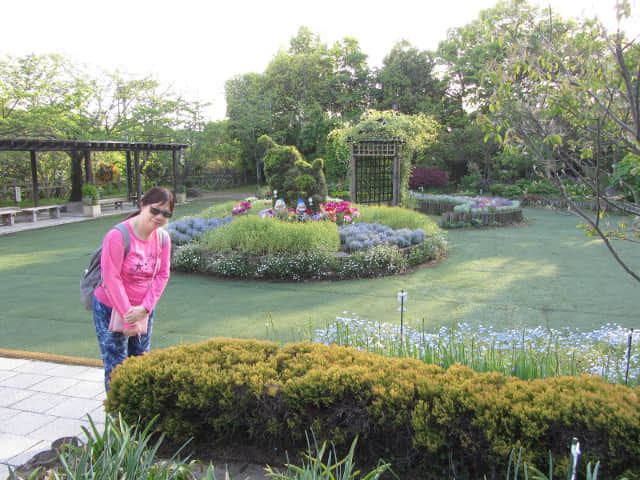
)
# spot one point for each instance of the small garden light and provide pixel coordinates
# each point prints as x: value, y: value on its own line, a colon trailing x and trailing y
x: 402, y: 297
x: 575, y: 453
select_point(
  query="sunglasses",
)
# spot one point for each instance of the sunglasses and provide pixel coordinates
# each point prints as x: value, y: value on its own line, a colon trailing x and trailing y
x: 157, y: 211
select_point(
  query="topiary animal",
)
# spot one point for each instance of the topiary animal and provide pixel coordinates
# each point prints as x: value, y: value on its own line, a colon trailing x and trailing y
x: 288, y: 173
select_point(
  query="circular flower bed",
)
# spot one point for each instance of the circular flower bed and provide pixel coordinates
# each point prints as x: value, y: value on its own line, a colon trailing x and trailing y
x: 463, y: 211
x: 339, y: 241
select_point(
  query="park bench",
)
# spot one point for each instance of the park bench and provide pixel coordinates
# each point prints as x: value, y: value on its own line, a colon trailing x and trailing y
x: 8, y: 214
x: 114, y: 202
x: 54, y: 211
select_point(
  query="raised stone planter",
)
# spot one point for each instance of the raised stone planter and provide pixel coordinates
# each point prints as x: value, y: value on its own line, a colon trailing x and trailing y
x: 91, y: 210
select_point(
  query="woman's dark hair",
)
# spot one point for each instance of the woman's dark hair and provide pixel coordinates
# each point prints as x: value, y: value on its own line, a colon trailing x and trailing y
x: 157, y: 195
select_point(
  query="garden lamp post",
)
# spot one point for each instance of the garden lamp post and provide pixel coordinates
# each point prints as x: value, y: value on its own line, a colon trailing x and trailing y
x: 402, y: 297
x: 575, y: 453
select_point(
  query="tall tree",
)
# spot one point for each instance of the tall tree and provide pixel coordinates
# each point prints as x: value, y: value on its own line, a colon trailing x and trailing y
x: 469, y: 51
x: 249, y: 107
x: 407, y: 81
x: 569, y: 97
x: 352, y: 82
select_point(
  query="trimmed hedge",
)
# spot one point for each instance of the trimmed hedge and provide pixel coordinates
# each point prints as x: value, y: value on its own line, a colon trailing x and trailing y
x: 419, y: 417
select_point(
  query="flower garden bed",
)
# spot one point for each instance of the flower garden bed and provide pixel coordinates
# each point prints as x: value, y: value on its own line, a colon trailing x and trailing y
x: 333, y: 244
x: 469, y: 211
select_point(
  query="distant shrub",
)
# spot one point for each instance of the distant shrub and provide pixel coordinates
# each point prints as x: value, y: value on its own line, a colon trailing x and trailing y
x: 428, y: 178
x: 506, y: 191
x: 471, y: 183
x: 541, y: 186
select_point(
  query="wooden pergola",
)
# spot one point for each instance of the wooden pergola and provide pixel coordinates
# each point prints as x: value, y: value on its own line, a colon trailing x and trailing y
x: 34, y: 145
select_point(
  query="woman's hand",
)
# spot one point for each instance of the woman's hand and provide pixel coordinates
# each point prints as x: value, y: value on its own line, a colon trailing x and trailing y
x: 135, y: 314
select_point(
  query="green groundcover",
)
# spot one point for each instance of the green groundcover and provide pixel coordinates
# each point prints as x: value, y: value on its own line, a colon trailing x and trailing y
x: 546, y: 272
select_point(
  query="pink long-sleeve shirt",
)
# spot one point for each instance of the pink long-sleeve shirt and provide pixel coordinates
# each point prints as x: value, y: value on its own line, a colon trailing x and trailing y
x: 127, y: 282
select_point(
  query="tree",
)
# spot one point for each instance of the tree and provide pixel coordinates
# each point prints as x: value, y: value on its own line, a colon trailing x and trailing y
x: 569, y: 98
x: 407, y: 81
x: 470, y: 51
x: 249, y: 107
x: 352, y: 82
x: 44, y: 96
x: 49, y: 96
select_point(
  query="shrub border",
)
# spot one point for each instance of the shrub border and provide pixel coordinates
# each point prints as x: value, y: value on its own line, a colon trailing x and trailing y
x: 250, y: 392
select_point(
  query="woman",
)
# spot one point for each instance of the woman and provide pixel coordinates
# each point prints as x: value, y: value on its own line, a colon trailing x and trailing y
x: 133, y: 284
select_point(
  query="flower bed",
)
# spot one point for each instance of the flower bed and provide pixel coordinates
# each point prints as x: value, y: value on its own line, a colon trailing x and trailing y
x: 299, y: 246
x: 469, y: 211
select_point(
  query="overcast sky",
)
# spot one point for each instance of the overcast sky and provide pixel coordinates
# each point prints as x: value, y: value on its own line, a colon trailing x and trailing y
x: 197, y: 45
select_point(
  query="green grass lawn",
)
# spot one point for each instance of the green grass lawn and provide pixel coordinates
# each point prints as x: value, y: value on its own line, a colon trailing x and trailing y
x: 545, y: 273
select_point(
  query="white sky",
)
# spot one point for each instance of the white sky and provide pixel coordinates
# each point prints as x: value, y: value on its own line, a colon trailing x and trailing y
x: 197, y: 45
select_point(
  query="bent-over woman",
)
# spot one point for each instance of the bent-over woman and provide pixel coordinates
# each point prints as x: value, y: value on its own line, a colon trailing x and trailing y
x: 133, y: 284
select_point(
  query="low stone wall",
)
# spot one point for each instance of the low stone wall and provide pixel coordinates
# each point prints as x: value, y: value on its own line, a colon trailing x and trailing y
x: 486, y: 218
x: 434, y: 208
x: 445, y: 209
x: 537, y: 201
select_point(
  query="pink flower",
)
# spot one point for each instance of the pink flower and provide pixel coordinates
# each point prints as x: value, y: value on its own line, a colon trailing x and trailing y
x: 347, y: 218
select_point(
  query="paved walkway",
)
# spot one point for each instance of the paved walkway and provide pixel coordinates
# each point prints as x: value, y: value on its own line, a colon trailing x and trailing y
x: 43, y: 401
x: 73, y: 213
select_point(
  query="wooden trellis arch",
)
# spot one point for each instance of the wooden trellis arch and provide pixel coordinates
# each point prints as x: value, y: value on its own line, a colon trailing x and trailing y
x: 34, y: 145
x: 375, y: 171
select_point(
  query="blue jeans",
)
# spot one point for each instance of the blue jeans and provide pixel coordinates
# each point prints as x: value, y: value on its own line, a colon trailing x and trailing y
x: 115, y: 347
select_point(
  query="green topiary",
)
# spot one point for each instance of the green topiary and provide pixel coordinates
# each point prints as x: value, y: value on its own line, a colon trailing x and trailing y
x: 291, y: 176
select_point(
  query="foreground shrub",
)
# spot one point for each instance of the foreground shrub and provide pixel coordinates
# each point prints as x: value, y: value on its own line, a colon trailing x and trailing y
x: 420, y: 417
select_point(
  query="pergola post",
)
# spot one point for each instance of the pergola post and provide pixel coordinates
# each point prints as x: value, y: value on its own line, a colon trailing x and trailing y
x: 354, y: 197
x: 88, y: 168
x: 175, y: 172
x: 129, y: 179
x: 395, y: 200
x: 34, y: 178
x: 136, y: 162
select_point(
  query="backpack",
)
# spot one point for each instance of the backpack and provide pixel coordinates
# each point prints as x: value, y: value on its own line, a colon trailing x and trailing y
x: 92, y: 275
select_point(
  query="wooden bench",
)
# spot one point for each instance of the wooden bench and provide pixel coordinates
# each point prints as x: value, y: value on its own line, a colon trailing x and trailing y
x: 54, y: 211
x: 8, y: 214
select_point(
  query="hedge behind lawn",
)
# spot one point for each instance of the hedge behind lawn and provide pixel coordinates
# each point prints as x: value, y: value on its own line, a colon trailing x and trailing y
x: 419, y: 417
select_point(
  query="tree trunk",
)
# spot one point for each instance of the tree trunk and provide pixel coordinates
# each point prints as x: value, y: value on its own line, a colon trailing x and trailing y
x: 76, y: 176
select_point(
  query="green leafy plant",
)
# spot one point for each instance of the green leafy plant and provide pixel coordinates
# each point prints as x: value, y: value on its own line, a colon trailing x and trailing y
x: 89, y: 194
x: 315, y: 467
x: 121, y: 451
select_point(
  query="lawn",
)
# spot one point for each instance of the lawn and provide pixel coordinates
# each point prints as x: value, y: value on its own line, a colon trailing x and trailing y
x: 545, y: 273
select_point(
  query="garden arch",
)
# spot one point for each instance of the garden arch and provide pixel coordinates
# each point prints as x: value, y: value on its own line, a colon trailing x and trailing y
x: 34, y: 145
x: 375, y: 171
